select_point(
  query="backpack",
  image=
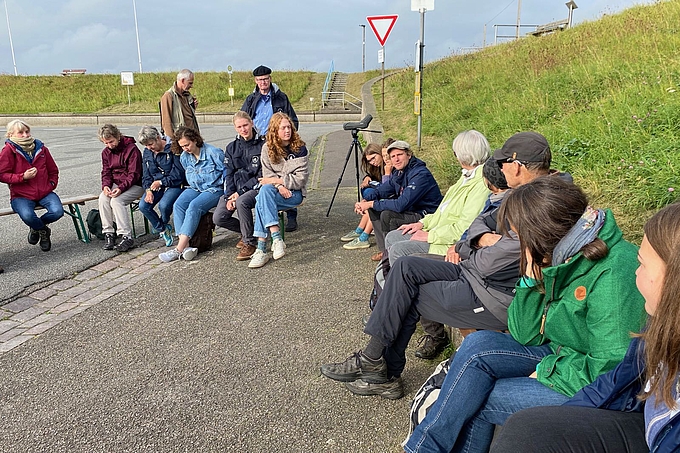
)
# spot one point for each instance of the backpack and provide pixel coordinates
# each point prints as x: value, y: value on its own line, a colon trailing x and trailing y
x: 381, y: 271
x: 203, y: 236
x: 94, y: 224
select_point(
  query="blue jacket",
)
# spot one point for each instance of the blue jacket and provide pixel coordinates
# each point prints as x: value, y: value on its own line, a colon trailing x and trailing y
x: 280, y: 103
x: 413, y: 188
x: 617, y: 390
x: 207, y: 173
x: 164, y: 167
x: 242, y: 164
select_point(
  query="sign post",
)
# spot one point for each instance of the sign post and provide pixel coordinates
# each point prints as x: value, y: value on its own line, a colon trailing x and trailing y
x: 127, y: 78
x: 421, y: 6
x: 231, y: 88
x: 382, y: 26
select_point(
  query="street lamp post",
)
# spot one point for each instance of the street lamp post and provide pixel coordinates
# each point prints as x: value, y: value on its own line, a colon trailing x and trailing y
x: 363, y: 47
x: 11, y: 46
x: 139, y: 53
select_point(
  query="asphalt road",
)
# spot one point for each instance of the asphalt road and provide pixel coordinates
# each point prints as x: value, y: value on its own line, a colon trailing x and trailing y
x: 77, y: 152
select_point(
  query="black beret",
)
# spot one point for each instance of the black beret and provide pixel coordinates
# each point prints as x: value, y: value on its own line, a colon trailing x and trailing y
x: 261, y: 70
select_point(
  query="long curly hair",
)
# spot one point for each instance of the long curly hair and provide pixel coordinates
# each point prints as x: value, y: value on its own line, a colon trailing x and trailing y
x: 189, y: 134
x: 277, y: 152
x: 662, y: 336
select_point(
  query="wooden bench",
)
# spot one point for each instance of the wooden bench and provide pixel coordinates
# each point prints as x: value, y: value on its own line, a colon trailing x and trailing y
x: 68, y: 72
x: 73, y: 210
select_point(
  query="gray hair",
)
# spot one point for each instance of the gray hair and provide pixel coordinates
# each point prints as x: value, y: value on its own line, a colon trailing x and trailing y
x: 16, y: 126
x: 471, y: 148
x: 108, y: 131
x: 148, y: 134
x: 184, y: 74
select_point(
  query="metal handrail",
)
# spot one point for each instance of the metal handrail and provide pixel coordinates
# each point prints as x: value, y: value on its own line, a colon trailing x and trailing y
x: 327, y: 82
x: 345, y: 99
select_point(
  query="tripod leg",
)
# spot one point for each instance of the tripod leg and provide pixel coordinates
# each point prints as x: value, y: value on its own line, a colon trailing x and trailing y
x: 352, y: 147
x: 358, y: 151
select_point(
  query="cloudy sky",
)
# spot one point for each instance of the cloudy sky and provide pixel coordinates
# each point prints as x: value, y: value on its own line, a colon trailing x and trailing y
x: 209, y: 35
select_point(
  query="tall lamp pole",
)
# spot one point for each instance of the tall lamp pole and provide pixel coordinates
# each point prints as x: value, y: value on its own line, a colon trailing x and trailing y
x: 363, y: 47
x: 139, y: 52
x: 11, y: 46
x: 421, y: 6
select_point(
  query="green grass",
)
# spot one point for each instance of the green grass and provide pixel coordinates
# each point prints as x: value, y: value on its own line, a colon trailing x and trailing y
x: 606, y: 95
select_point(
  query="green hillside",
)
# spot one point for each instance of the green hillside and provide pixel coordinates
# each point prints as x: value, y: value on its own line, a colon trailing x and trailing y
x: 606, y: 94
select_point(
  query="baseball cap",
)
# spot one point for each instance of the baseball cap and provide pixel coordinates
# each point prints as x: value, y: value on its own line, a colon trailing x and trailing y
x: 524, y: 147
x: 399, y: 144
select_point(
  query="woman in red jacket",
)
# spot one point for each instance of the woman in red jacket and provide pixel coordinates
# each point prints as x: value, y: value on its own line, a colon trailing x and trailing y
x: 29, y: 170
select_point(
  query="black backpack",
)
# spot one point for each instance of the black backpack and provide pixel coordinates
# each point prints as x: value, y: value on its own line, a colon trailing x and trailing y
x: 94, y: 224
x: 203, y: 236
x: 381, y: 271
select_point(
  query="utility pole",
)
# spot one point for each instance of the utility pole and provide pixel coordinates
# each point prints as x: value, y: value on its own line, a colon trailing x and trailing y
x: 420, y: 6
x: 363, y: 47
x: 139, y: 53
x: 11, y: 46
x: 519, y: 10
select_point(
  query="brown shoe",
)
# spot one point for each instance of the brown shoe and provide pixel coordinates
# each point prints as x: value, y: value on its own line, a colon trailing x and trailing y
x: 376, y: 256
x: 246, y: 252
x: 240, y: 244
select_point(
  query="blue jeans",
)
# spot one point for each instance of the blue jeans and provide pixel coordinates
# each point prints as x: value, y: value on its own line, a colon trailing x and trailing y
x: 164, y: 198
x: 190, y: 207
x: 26, y: 210
x: 487, y: 382
x: 268, y: 203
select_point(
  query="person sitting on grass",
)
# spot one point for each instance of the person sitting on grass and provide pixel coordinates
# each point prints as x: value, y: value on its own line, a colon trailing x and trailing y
x: 162, y: 179
x: 242, y: 168
x: 410, y: 194
x: 569, y: 322
x: 121, y: 185
x: 204, y: 172
x: 285, y: 161
x: 633, y: 407
x: 29, y: 170
x: 376, y: 171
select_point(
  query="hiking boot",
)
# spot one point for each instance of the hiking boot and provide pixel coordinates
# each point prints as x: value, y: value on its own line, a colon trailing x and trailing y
x: 392, y: 389
x: 240, y: 243
x: 189, y: 253
x: 292, y: 223
x: 352, y: 235
x: 357, y: 366
x: 33, y: 236
x: 246, y: 252
x: 356, y: 244
x: 109, y: 241
x: 45, y: 242
x: 278, y: 249
x: 170, y: 255
x: 125, y: 244
x: 377, y: 256
x: 258, y: 259
x: 430, y: 347
x: 166, y: 235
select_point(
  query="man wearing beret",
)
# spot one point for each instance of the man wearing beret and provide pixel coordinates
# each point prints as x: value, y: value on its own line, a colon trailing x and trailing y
x: 261, y: 104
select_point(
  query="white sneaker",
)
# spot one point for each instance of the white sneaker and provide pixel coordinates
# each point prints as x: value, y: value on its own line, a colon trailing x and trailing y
x: 258, y: 259
x: 170, y: 255
x: 278, y: 248
x: 189, y: 253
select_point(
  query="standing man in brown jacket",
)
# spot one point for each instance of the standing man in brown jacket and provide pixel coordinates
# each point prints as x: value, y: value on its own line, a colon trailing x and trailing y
x: 178, y: 105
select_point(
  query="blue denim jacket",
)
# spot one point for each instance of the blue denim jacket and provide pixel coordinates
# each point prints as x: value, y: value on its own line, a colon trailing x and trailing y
x: 206, y: 173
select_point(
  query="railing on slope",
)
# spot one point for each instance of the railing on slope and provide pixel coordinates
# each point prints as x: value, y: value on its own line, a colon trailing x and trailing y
x: 327, y: 83
x: 340, y: 98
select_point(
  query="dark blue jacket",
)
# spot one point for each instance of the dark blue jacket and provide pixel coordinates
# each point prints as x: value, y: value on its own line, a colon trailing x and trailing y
x: 413, y: 190
x: 242, y: 164
x: 280, y: 103
x: 617, y: 390
x: 164, y: 167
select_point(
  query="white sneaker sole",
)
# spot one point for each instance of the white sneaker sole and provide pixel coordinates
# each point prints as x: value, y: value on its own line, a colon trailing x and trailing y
x: 255, y: 264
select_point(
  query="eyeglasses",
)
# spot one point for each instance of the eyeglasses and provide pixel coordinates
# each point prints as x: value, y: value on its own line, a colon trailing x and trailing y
x: 510, y: 160
x: 371, y: 160
x: 262, y: 79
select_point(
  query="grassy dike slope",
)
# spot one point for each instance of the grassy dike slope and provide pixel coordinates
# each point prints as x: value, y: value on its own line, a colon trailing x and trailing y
x: 606, y: 94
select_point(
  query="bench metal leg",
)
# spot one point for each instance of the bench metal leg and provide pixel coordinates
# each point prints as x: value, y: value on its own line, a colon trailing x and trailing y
x: 134, y: 206
x: 78, y: 223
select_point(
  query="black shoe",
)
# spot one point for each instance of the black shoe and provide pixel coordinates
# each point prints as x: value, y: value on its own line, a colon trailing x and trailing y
x: 291, y: 225
x: 430, y: 347
x: 33, y: 236
x: 392, y: 389
x: 110, y: 243
x: 45, y: 243
x: 125, y: 244
x: 357, y: 366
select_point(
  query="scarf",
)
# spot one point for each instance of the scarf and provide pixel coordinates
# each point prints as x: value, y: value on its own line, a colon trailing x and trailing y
x: 27, y: 144
x: 584, y: 232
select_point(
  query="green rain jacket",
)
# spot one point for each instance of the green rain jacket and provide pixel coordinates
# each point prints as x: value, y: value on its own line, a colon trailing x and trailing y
x: 590, y: 309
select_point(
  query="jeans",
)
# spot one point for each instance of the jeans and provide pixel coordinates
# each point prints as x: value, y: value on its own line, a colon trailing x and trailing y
x: 26, y: 210
x: 190, y: 207
x: 164, y: 198
x: 486, y: 383
x: 268, y: 203
x: 224, y: 218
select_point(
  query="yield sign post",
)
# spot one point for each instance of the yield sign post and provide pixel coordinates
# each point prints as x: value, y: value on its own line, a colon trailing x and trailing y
x: 382, y: 26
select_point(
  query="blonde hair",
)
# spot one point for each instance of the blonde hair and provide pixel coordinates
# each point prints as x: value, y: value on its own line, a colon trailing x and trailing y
x: 15, y: 126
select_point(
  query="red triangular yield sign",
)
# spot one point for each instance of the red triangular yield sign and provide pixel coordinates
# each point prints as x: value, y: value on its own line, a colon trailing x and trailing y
x: 382, y: 26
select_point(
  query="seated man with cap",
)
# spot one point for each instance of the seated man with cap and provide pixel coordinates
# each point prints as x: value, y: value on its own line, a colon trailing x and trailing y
x: 265, y: 100
x: 406, y: 197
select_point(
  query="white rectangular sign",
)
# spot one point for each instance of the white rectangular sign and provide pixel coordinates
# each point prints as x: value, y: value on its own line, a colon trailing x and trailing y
x: 417, y: 5
x: 127, y: 78
x: 381, y: 56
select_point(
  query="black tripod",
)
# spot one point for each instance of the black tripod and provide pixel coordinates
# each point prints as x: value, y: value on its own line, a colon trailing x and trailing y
x: 355, y: 147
